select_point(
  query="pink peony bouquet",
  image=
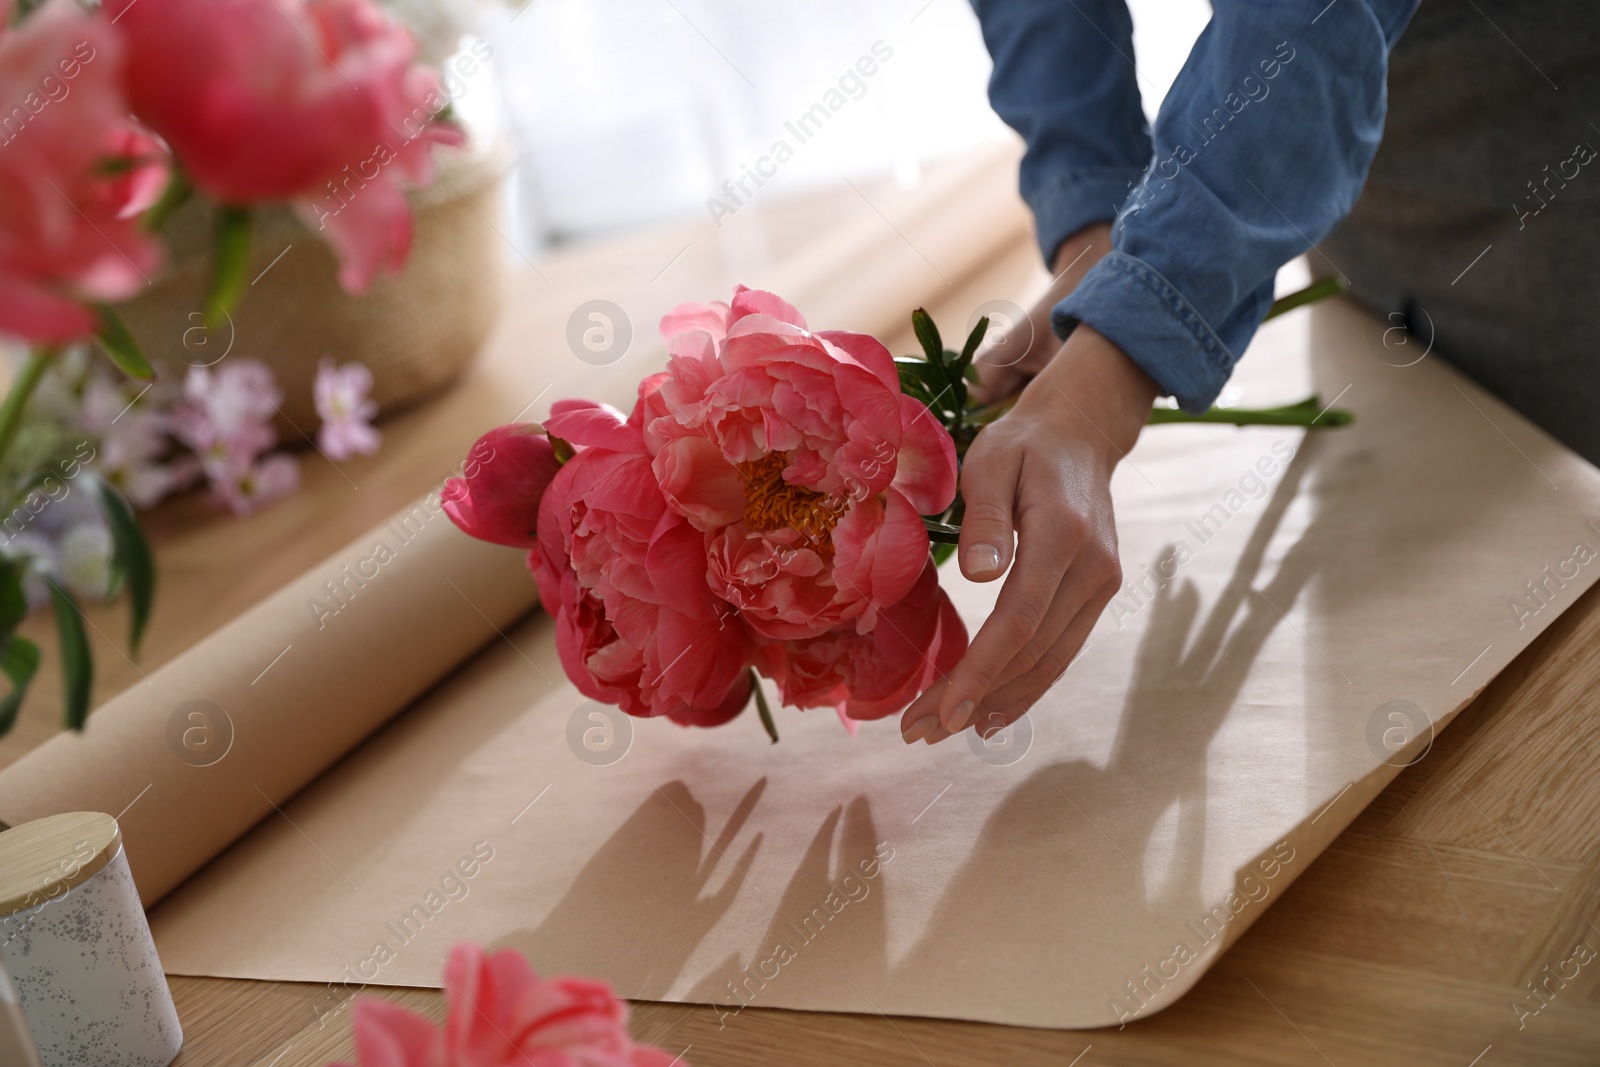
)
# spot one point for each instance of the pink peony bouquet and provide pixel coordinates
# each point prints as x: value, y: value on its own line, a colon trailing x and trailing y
x: 502, y: 1014
x: 760, y: 510
x: 776, y: 504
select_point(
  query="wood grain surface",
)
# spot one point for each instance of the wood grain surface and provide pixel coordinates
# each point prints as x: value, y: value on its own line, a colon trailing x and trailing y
x: 1442, y: 927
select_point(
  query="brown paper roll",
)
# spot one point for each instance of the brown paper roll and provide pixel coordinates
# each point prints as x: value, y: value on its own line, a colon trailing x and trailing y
x: 220, y: 736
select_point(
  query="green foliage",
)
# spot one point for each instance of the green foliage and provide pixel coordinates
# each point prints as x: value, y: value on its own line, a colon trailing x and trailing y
x: 119, y: 344
x: 230, y: 263
x: 77, y: 667
x: 762, y: 709
x: 132, y: 564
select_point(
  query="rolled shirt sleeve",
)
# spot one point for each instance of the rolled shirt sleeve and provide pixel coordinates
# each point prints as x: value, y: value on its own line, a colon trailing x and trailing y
x: 1260, y: 149
x: 1064, y: 79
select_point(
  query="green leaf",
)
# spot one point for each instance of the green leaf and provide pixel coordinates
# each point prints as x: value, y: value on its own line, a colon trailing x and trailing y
x: 77, y: 668
x: 120, y: 344
x: 174, y: 196
x: 911, y: 383
x: 19, y: 659
x: 230, y: 262
x: 941, y: 552
x: 762, y: 709
x: 928, y: 336
x: 131, y: 559
x: 974, y: 339
x: 13, y: 604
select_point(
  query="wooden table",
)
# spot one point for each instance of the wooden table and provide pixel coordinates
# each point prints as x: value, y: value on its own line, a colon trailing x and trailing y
x: 1408, y: 942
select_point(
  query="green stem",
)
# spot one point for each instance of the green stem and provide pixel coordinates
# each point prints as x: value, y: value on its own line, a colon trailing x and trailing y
x: 1306, y: 413
x: 22, y: 387
x: 174, y: 196
x: 1317, y: 290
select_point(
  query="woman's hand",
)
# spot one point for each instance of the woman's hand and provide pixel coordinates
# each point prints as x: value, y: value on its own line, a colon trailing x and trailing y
x: 1043, y: 473
x: 1003, y: 370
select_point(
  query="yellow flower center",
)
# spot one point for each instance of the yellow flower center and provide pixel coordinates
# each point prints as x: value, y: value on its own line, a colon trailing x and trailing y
x: 770, y: 503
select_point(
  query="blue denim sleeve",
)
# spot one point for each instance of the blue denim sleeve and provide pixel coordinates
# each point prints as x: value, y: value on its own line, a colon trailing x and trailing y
x: 1261, y: 148
x: 1064, y: 79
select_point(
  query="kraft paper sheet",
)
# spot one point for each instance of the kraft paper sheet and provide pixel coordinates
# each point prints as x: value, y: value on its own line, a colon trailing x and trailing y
x: 1301, y: 612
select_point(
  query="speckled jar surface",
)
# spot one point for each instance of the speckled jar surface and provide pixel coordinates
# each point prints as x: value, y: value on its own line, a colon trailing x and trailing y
x: 87, y: 975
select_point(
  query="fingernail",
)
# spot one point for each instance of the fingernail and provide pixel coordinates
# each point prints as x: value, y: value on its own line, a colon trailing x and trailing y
x: 980, y: 559
x: 937, y: 734
x: 959, y: 716
x: 919, y: 729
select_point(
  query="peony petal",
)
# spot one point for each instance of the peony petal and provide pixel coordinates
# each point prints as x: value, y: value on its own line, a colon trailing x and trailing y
x: 677, y: 565
x: 736, y: 701
x: 700, y: 483
x: 387, y: 1035
x: 370, y: 233
x: 925, y: 467
x: 867, y: 351
x: 31, y: 311
x: 712, y: 318
x: 757, y: 339
x: 879, y: 550
x: 760, y: 302
x: 589, y: 424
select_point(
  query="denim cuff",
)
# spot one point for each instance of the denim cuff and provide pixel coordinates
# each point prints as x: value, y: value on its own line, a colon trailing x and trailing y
x: 1135, y: 307
x: 1073, y: 199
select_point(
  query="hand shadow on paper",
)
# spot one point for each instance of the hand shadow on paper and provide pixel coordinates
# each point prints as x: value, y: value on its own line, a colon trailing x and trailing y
x: 830, y: 921
x: 640, y: 907
x: 1060, y: 881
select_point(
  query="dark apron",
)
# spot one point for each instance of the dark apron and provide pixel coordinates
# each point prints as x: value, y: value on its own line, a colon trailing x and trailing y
x: 1479, y: 226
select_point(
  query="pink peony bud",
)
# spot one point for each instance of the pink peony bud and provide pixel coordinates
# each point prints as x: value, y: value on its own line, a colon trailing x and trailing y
x: 504, y: 479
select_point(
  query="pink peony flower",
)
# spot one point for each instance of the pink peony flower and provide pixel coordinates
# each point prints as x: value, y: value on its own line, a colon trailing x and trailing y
x: 868, y: 676
x: 624, y: 576
x: 315, y: 101
x: 801, y: 461
x: 497, y: 497
x: 73, y: 173
x: 502, y: 1014
x: 341, y: 395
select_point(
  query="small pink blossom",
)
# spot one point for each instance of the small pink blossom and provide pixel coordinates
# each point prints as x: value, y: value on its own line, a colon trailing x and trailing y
x: 228, y: 412
x: 248, y: 486
x: 343, y: 404
x: 226, y: 419
x: 502, y: 1014
x: 133, y: 443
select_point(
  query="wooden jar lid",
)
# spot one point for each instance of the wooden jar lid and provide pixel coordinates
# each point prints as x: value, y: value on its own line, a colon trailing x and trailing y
x: 42, y: 859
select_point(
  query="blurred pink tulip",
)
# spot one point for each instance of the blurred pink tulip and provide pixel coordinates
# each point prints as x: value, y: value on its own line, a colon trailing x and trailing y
x: 73, y: 174
x: 502, y: 1014
x: 319, y: 102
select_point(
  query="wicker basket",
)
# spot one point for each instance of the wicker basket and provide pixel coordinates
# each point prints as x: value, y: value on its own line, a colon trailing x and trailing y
x: 415, y: 330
